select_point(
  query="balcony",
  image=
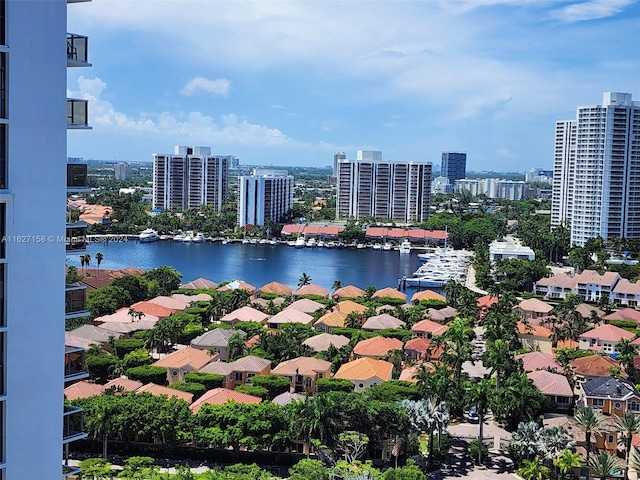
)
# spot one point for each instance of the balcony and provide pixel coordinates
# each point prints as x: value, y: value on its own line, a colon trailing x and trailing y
x: 77, y: 50
x: 73, y: 424
x: 74, y: 364
x: 75, y: 301
x: 76, y: 237
x: 77, y: 179
x: 77, y: 114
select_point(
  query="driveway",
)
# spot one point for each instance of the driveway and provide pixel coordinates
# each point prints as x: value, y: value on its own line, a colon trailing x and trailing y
x: 460, y: 465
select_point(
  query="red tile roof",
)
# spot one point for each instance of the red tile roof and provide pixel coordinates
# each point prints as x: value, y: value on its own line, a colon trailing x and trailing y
x: 487, y: 301
x: 159, y: 390
x: 551, y: 383
x: 220, y: 396
x: 377, y: 346
x: 624, y: 314
x: 82, y: 389
x: 429, y: 326
x: 608, y: 333
x: 389, y: 292
x: 594, y: 366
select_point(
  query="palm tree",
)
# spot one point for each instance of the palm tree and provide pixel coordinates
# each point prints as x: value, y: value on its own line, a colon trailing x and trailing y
x: 533, y: 470
x: 457, y: 346
x: 99, y: 258
x: 525, y: 440
x: 453, y: 291
x: 304, y: 280
x: 396, y: 356
x: 336, y: 285
x: 237, y: 347
x: 499, y: 358
x: 592, y: 422
x: 567, y: 461
x: 552, y: 441
x: 87, y: 259
x: 627, y: 425
x: 353, y: 320
x: 626, y: 354
x: 83, y: 261
x: 479, y: 396
x: 604, y: 464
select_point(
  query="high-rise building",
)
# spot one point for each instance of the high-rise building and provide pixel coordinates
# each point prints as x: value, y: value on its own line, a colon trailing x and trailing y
x: 369, y: 186
x: 540, y: 175
x: 453, y: 166
x: 123, y: 171
x: 336, y: 158
x: 189, y: 178
x: 265, y: 195
x: 564, y: 162
x: 602, y: 191
x: 34, y: 422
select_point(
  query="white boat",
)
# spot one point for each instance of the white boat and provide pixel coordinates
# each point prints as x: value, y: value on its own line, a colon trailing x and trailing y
x: 330, y: 244
x: 188, y: 238
x: 165, y: 237
x: 198, y: 238
x: 245, y: 241
x: 253, y: 241
x: 299, y: 243
x: 148, y: 235
x: 377, y: 246
x: 360, y: 246
x: 405, y: 248
x: 178, y: 238
x: 321, y: 244
x: 386, y: 247
x: 263, y: 241
x: 225, y: 241
x: 273, y: 241
x: 311, y: 243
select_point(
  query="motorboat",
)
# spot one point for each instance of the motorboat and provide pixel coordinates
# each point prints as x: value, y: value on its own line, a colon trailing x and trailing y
x: 178, y: 238
x: 273, y: 241
x: 330, y: 244
x: 148, y: 235
x: 198, y: 238
x: 245, y: 241
x: 253, y: 241
x: 311, y: 243
x: 188, y: 238
x: 225, y: 241
x: 263, y: 241
x: 405, y: 247
x: 299, y: 243
x: 321, y: 244
x: 341, y: 245
x: 360, y: 246
x: 377, y: 246
x: 387, y: 247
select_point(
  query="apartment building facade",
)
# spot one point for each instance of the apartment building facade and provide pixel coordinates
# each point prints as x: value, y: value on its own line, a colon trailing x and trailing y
x: 600, y: 195
x: 453, y: 166
x: 189, y: 178
x: 370, y: 186
x: 265, y: 195
x: 35, y: 425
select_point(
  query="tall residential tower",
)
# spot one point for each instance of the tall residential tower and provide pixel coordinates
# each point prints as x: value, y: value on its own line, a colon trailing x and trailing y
x: 453, y: 166
x: 189, y: 178
x: 265, y: 196
x: 369, y: 186
x: 598, y: 157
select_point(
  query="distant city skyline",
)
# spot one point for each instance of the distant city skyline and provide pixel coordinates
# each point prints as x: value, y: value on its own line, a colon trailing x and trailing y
x: 291, y: 83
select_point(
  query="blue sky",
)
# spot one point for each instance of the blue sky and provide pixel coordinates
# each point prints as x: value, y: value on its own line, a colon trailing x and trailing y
x: 291, y: 82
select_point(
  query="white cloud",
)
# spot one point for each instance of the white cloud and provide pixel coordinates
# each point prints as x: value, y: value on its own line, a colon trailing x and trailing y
x: 591, y: 10
x: 219, y: 86
x: 193, y: 127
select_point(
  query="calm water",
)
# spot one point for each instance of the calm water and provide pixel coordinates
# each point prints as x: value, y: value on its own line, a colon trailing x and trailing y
x: 259, y: 264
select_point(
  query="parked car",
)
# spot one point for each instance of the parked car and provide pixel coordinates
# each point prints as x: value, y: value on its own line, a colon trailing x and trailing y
x: 471, y: 415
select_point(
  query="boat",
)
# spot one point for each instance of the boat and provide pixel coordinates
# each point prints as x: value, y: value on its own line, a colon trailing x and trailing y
x: 188, y: 238
x: 253, y: 241
x: 198, y: 238
x: 311, y: 243
x: 405, y: 247
x: 330, y: 244
x: 299, y: 243
x: 245, y: 241
x: 165, y: 237
x: 321, y: 244
x: 387, y: 247
x: 263, y: 241
x: 360, y: 246
x: 377, y: 246
x: 341, y: 245
x: 273, y: 241
x: 148, y: 235
x: 225, y: 241
x: 178, y: 237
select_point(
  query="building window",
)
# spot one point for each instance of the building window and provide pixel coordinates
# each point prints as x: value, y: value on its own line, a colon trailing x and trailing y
x: 238, y: 376
x: 3, y: 85
x: 3, y: 156
x: 610, y: 439
x: 617, y: 405
x: 249, y: 377
x: 597, y: 402
x: 634, y: 406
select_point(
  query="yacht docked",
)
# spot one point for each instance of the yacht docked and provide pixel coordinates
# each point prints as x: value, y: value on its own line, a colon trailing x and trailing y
x: 405, y: 247
x: 149, y: 235
x: 198, y: 238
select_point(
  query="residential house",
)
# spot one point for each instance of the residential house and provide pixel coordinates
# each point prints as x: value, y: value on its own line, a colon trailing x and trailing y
x: 122, y: 385
x: 305, y: 305
x: 237, y: 285
x: 376, y: 347
x: 626, y: 293
x: 183, y: 361
x: 557, y: 286
x: 312, y: 289
x: 245, y: 314
x: 93, y: 334
x: 554, y: 386
x: 159, y: 390
x: 239, y: 372
x: 150, y: 308
x: 82, y: 389
x: 533, y: 308
x: 604, y: 338
x: 365, y: 372
x: 216, y: 341
x: 587, y: 311
x: 533, y: 361
x: 629, y: 314
x: 348, y: 306
x: 200, y: 283
x: 484, y: 303
x: 534, y: 337
x: 427, y: 296
x: 220, y: 396
x: 172, y: 303
x: 322, y: 342
x: 303, y: 372
x: 382, y: 322
x: 347, y: 292
x: 593, y: 366
x: 611, y: 395
x: 192, y: 300
x: 410, y: 374
x: 275, y: 288
x: 123, y: 315
x: 389, y: 293
x: 421, y: 349
x: 428, y: 329
x: 286, y: 398
x: 592, y: 286
x: 289, y: 316
x: 442, y: 315
x: 265, y: 304
x: 329, y: 321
